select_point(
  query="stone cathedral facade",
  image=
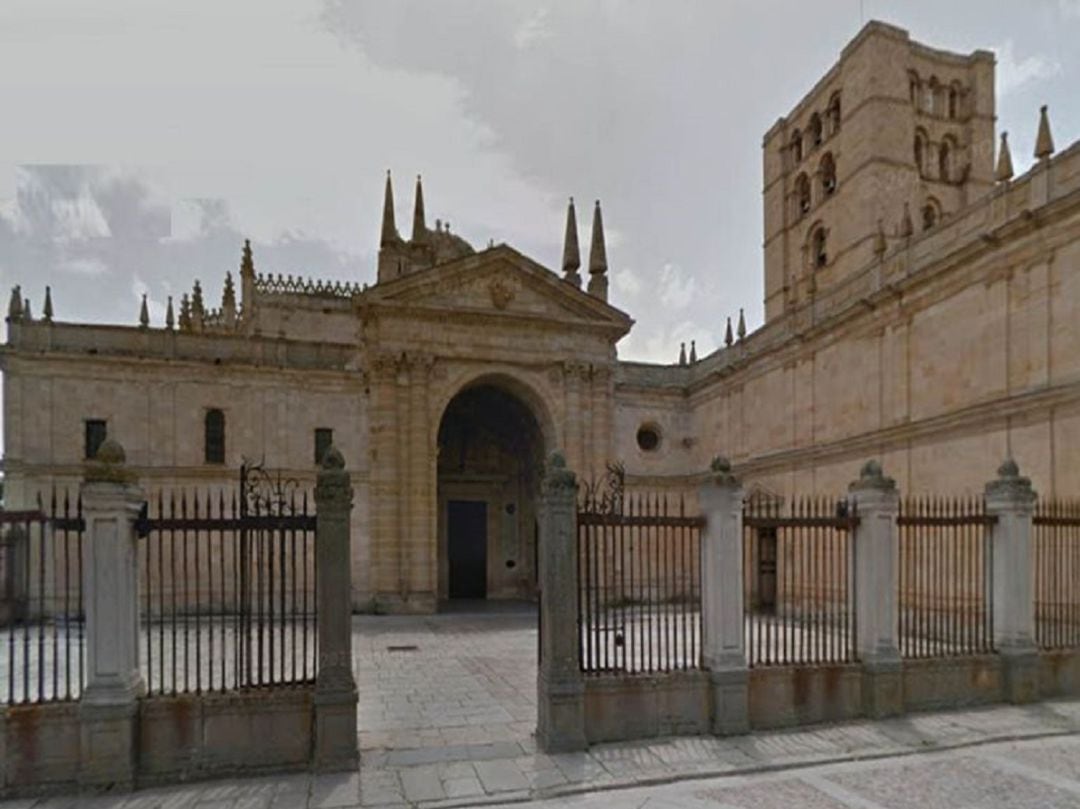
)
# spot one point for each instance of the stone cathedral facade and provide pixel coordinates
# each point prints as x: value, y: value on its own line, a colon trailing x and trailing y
x: 922, y: 307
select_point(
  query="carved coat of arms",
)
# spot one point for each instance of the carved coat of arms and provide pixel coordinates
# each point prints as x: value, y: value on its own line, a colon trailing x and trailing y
x: 501, y: 293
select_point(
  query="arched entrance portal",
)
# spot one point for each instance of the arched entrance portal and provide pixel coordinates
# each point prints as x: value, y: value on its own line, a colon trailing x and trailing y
x: 490, y: 456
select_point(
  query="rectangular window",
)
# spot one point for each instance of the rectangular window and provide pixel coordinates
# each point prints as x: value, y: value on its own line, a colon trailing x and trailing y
x: 324, y: 438
x: 214, y: 447
x: 94, y: 436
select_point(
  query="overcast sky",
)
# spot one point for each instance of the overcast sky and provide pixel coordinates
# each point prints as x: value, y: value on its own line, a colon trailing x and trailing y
x: 144, y: 140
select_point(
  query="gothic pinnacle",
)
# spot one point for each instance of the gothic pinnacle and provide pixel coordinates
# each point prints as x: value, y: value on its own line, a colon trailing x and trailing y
x: 1004, y: 170
x: 170, y: 318
x: 693, y: 351
x: 741, y: 331
x: 247, y: 262
x: 1044, y: 142
x: 47, y: 311
x: 571, y: 258
x: 598, y: 284
x: 389, y: 228
x: 682, y: 353
x: 144, y: 314
x: 419, y: 229
x: 729, y: 336
x: 15, y: 306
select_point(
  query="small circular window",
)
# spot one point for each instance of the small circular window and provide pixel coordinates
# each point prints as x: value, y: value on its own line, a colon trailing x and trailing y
x: 648, y: 437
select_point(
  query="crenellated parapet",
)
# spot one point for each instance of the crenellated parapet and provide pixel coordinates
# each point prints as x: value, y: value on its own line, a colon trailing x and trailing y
x: 270, y: 284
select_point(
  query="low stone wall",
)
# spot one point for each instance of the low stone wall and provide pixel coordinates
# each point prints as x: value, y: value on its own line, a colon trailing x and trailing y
x: 804, y: 695
x: 1059, y: 673
x: 179, y: 738
x: 644, y: 706
x: 952, y: 682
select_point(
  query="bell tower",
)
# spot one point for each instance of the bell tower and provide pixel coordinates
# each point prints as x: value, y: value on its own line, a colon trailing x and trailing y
x: 891, y: 141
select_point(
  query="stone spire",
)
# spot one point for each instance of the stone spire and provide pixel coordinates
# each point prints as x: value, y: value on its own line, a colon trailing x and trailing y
x: 15, y: 306
x: 26, y: 310
x: 742, y: 324
x: 729, y: 336
x: 144, y: 314
x: 198, y: 309
x: 598, y: 284
x: 682, y: 353
x: 247, y: 262
x: 185, y: 313
x: 170, y: 318
x: 419, y: 229
x: 693, y: 351
x: 228, y: 300
x: 1044, y: 142
x: 47, y: 310
x: 571, y: 256
x: 1004, y: 171
x: 389, y: 228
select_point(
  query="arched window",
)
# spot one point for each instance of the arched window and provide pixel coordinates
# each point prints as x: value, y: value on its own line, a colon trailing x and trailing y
x: 214, y: 437
x: 802, y: 194
x: 945, y: 161
x: 931, y: 215
x: 828, y: 174
x: 932, y: 90
x: 913, y: 87
x: 920, y: 151
x: 796, y: 146
x: 833, y: 113
x: 819, y: 255
x: 815, y: 129
x: 954, y: 101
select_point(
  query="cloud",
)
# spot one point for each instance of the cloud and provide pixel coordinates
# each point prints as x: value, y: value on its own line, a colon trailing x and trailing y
x: 1014, y: 73
x: 84, y: 265
x: 627, y: 282
x: 676, y: 287
x: 1070, y: 8
x: 533, y: 29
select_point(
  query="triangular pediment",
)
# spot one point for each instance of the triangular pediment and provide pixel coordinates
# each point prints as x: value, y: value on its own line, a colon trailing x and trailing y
x: 498, y: 280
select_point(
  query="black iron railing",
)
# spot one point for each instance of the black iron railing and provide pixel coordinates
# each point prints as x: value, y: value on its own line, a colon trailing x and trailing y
x: 945, y: 578
x: 639, y: 584
x: 799, y: 590
x: 41, y: 602
x: 1056, y: 561
x: 228, y: 588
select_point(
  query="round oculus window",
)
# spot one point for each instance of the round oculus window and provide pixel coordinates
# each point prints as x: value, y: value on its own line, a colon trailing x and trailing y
x: 648, y: 437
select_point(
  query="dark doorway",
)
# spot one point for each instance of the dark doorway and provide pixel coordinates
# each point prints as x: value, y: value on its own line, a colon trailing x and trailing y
x: 466, y: 534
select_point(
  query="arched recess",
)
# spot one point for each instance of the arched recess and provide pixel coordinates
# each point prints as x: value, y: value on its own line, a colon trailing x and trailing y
x: 493, y: 434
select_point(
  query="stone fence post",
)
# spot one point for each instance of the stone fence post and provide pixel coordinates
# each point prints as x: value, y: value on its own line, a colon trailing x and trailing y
x: 722, y: 583
x: 1011, y: 499
x: 109, y: 704
x: 560, y: 685
x: 877, y: 569
x: 335, y: 687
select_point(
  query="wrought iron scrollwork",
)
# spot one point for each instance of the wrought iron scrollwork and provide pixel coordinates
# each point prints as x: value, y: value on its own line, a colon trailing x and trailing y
x: 266, y: 493
x: 606, y: 494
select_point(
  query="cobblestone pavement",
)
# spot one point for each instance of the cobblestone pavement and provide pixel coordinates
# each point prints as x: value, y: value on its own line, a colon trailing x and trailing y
x: 447, y: 710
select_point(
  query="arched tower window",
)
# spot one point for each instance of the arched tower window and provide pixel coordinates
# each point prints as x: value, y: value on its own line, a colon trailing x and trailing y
x: 802, y: 194
x: 833, y: 113
x: 796, y: 146
x: 920, y: 151
x: 819, y: 254
x: 814, y: 129
x: 945, y: 152
x: 931, y: 214
x: 828, y: 174
x: 214, y: 437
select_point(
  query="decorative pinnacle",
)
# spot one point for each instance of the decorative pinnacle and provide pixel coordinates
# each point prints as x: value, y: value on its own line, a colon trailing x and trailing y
x: 389, y: 226
x: 247, y: 262
x: 1044, y: 142
x: 15, y: 306
x: 741, y: 331
x: 108, y: 464
x: 1011, y: 484
x: 1004, y: 171
x: 693, y: 351
x: 47, y: 311
x: 419, y: 228
x: 729, y: 336
x: 170, y: 319
x: 871, y: 476
x: 557, y: 476
x: 598, y: 250
x: 144, y: 314
x: 571, y: 261
x: 682, y: 353
x: 721, y: 472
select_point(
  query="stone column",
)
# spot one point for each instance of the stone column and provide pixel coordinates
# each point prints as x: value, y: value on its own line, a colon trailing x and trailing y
x: 877, y: 569
x: 108, y: 708
x: 560, y: 686
x: 1011, y: 499
x: 722, y: 582
x: 335, y: 688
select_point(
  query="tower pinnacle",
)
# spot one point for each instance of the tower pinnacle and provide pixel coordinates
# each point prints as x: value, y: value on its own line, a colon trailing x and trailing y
x: 571, y: 260
x: 598, y: 284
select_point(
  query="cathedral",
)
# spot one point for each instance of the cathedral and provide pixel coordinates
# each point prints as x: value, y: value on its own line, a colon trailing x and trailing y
x: 922, y: 307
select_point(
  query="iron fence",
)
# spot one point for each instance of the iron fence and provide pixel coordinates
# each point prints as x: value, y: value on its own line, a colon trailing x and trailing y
x: 639, y: 584
x: 799, y: 564
x: 945, y: 578
x: 41, y: 602
x: 1056, y: 562
x: 228, y: 588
